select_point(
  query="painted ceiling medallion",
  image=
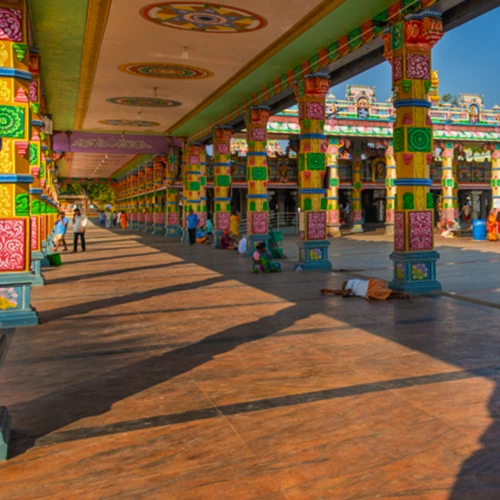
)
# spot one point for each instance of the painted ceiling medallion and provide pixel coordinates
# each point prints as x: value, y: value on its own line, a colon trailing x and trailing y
x: 144, y: 102
x: 202, y: 16
x: 165, y: 70
x: 129, y: 123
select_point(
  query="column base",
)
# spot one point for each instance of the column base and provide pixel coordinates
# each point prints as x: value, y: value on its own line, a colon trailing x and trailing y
x: 357, y: 227
x: 415, y: 272
x: 158, y: 228
x: 4, y: 433
x: 389, y: 229
x: 253, y: 240
x: 148, y: 228
x: 36, y: 266
x: 15, y: 300
x: 46, y: 250
x: 173, y: 231
x: 217, y: 237
x: 132, y: 224
x: 334, y: 232
x: 313, y: 255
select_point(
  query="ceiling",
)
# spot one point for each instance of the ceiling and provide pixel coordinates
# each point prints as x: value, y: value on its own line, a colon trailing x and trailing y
x: 142, y: 67
x: 91, y: 165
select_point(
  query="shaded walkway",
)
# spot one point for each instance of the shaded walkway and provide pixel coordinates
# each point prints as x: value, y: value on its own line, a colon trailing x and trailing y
x: 167, y: 371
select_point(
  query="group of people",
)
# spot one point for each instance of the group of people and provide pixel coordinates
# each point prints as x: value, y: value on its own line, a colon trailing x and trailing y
x: 109, y: 218
x: 80, y: 222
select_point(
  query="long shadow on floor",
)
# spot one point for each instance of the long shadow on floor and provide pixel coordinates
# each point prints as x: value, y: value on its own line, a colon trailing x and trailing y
x: 437, y: 327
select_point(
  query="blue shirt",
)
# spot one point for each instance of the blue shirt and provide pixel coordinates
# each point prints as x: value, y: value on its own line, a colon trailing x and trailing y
x: 192, y: 221
x: 200, y: 233
x: 62, y: 226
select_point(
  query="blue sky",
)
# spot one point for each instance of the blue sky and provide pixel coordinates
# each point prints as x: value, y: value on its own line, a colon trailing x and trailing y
x: 467, y: 58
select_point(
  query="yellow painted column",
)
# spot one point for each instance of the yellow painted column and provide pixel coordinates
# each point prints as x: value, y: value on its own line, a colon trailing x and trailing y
x: 408, y: 47
x: 172, y: 217
x: 149, y: 203
x: 194, y: 163
x: 141, y: 204
x: 447, y: 182
x: 494, y: 149
x: 333, y: 207
x: 390, y: 186
x: 134, y: 216
x: 222, y: 181
x: 310, y: 93
x: 159, y: 174
x: 256, y: 120
x: 15, y: 176
x: 357, y: 188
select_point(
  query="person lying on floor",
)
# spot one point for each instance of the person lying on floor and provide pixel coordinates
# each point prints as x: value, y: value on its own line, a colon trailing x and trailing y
x: 372, y: 289
x: 262, y: 261
x: 227, y: 243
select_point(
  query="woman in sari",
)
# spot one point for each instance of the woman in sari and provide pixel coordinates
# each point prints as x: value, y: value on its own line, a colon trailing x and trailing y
x: 123, y: 220
x: 492, y: 227
x: 262, y: 262
x: 234, y: 222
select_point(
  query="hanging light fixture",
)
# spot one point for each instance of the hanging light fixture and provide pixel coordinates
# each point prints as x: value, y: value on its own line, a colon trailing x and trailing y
x: 185, y: 53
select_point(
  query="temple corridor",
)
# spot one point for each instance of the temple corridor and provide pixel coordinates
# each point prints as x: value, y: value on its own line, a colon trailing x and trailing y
x: 166, y: 371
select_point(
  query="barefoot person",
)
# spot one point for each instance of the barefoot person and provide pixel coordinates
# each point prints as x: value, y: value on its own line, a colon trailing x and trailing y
x: 372, y: 289
x: 61, y: 228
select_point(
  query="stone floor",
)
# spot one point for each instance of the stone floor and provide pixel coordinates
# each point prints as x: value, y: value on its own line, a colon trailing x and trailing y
x: 163, y: 371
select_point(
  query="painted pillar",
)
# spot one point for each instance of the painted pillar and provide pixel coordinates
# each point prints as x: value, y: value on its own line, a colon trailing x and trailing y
x: 159, y: 216
x: 390, y: 186
x: 35, y: 155
x: 141, y: 187
x: 222, y: 181
x: 172, y: 216
x: 310, y: 93
x: 332, y: 197
x: 447, y: 182
x: 133, y: 221
x: 203, y: 215
x: 414, y: 256
x: 15, y: 176
x: 494, y: 148
x: 194, y: 157
x: 148, y: 226
x: 357, y: 188
x: 456, y: 207
x: 256, y: 120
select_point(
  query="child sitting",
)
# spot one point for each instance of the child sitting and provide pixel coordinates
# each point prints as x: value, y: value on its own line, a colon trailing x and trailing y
x: 262, y: 262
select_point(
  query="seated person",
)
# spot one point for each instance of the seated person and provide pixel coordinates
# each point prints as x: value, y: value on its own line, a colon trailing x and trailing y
x: 372, y: 289
x: 227, y: 243
x: 243, y: 246
x: 201, y: 237
x: 262, y: 261
x: 209, y: 229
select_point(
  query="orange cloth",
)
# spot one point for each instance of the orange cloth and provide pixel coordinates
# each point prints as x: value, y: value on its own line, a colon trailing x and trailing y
x: 123, y: 221
x: 492, y: 228
x: 377, y: 290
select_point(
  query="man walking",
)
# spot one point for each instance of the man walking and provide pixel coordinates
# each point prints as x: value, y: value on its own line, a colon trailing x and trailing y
x: 79, y: 224
x: 61, y: 228
x: 192, y: 222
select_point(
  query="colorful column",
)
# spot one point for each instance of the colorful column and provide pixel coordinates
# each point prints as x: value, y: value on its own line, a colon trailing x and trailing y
x: 456, y: 207
x: 133, y: 221
x: 172, y: 218
x: 390, y: 186
x: 159, y: 174
x: 447, y: 182
x: 141, y: 205
x: 35, y: 155
x: 15, y: 175
x: 414, y: 257
x: 332, y: 197
x: 149, y: 202
x: 313, y: 245
x: 357, y: 188
x: 194, y: 156
x: 256, y: 120
x: 494, y: 149
x: 222, y: 181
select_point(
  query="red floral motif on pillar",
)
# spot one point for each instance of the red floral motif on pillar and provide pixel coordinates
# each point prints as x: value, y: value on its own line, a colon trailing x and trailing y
x: 399, y: 232
x: 420, y: 230
x: 12, y: 240
x: 316, y: 226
